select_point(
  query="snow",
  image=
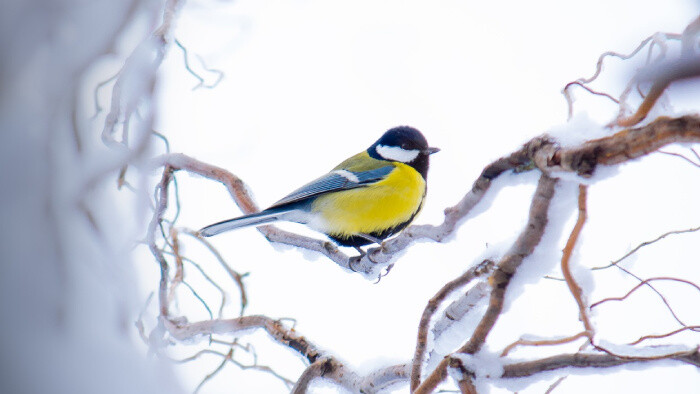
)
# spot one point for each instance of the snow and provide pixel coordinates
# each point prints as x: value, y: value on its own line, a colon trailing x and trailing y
x: 579, y: 129
x: 484, y: 364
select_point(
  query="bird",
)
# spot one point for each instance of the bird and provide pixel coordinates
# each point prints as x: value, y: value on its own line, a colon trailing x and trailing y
x: 365, y: 199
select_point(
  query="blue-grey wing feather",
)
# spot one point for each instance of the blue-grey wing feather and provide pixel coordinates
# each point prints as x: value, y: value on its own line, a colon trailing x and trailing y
x: 333, y: 182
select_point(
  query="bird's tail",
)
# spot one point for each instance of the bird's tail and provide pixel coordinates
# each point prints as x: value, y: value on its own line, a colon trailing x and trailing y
x: 253, y: 219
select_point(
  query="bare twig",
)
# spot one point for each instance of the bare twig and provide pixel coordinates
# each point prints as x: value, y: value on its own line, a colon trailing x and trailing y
x: 208, y: 279
x: 255, y: 366
x: 583, y: 82
x: 543, y: 342
x: 98, y: 107
x: 198, y: 297
x: 213, y: 373
x: 161, y: 207
x: 661, y: 76
x: 668, y: 334
x: 189, y: 69
x: 663, y: 298
x: 554, y: 385
x: 682, y: 156
x: 646, y: 243
x: 179, y: 272
x: 644, y: 282
x: 235, y: 276
x: 574, y: 288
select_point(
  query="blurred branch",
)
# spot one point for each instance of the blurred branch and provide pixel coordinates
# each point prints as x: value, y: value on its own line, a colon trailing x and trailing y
x: 684, y: 157
x: 656, y: 38
x: 189, y: 69
x: 161, y: 207
x: 229, y: 356
x: 235, y: 276
x: 207, y: 278
x: 322, y: 363
x: 661, y: 77
x: 140, y: 64
x: 661, y: 74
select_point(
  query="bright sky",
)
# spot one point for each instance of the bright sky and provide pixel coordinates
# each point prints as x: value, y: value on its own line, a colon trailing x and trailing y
x: 308, y: 83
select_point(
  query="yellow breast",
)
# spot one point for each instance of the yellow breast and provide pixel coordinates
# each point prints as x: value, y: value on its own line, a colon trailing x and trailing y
x: 382, y: 205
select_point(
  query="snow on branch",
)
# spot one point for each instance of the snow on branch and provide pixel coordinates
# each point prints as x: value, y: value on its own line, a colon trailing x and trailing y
x: 540, y: 152
x: 543, y: 154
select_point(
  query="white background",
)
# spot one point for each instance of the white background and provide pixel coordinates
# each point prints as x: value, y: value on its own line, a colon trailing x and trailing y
x: 308, y: 83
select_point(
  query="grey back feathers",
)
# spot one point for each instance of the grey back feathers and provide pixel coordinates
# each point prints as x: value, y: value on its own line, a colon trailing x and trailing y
x: 334, y: 181
x: 293, y: 206
x: 254, y: 219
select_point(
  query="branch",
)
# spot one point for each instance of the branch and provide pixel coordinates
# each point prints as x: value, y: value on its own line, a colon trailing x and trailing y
x: 544, y: 342
x: 540, y: 152
x: 666, y: 335
x: 574, y: 288
x: 583, y: 82
x: 585, y: 360
x: 620, y: 147
x: 185, y: 331
x: 322, y: 364
x: 663, y: 74
x: 525, y: 244
x: 161, y: 207
x: 645, y: 243
x: 643, y: 283
x: 422, y: 342
x: 235, y: 276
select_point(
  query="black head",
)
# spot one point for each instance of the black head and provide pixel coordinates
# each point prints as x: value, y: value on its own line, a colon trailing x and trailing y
x: 406, y: 145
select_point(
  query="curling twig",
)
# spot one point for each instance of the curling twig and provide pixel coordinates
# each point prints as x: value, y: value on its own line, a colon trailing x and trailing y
x: 574, y: 288
x: 643, y: 283
x: 646, y: 243
x: 543, y: 342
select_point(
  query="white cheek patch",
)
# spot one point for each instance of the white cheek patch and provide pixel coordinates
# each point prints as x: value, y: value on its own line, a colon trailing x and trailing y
x: 397, y: 154
x: 347, y: 175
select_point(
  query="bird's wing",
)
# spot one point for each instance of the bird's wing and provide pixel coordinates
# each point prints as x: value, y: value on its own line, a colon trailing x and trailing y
x: 336, y: 180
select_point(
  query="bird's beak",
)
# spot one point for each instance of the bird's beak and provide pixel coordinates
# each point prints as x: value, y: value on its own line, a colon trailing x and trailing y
x: 431, y: 150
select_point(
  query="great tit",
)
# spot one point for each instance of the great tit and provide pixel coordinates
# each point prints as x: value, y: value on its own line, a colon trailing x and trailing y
x: 365, y: 199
